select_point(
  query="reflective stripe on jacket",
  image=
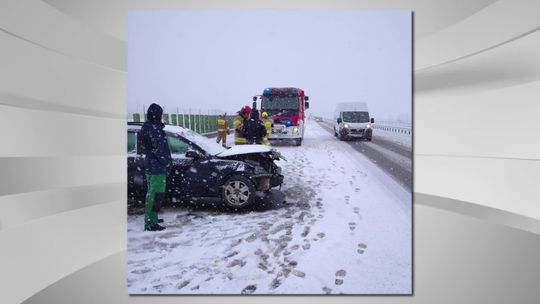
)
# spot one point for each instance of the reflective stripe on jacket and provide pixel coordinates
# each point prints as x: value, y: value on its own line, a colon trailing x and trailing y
x: 238, y: 136
x: 268, y: 124
x: 222, y: 125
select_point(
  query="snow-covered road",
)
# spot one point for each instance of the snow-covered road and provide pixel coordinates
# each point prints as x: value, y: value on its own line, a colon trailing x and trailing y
x: 345, y: 228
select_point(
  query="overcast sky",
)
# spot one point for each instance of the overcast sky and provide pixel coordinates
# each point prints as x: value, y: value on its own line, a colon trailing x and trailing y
x: 220, y: 59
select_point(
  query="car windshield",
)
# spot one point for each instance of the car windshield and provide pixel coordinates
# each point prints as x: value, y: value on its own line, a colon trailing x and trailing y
x: 355, y: 116
x: 208, y: 145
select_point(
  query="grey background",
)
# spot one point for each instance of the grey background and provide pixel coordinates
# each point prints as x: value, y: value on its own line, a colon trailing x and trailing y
x: 63, y: 102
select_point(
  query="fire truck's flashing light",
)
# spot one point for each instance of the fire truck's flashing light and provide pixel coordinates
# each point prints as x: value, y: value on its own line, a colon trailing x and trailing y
x: 281, y: 90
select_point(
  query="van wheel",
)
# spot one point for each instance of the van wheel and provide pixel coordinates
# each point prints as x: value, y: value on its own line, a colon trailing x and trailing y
x: 238, y: 192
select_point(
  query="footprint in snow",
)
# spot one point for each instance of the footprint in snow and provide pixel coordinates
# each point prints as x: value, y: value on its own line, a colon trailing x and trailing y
x: 352, y: 226
x: 237, y: 262
x: 183, y: 284
x: 231, y: 255
x: 340, y: 274
x: 299, y: 273
x: 361, y: 248
x: 251, y: 238
x: 236, y: 242
x: 249, y: 289
x: 141, y: 271
x: 275, y: 283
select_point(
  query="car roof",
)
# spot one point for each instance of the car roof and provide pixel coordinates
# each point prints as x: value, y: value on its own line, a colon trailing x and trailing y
x: 169, y: 128
x: 208, y: 145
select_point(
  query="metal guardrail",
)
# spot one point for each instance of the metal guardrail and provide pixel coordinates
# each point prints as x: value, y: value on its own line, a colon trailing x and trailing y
x: 402, y: 130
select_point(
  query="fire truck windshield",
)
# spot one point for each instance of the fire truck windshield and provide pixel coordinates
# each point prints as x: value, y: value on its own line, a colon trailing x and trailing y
x: 279, y: 102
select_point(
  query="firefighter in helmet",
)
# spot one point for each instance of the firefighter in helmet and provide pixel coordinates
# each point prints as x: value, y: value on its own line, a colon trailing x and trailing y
x: 243, y: 115
x: 254, y: 129
x: 222, y: 130
x: 268, y: 123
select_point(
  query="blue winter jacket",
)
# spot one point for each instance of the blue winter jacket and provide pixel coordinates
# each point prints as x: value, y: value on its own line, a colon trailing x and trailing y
x: 158, y: 155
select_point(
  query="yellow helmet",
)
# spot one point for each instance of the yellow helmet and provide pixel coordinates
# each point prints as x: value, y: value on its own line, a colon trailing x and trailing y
x: 264, y: 114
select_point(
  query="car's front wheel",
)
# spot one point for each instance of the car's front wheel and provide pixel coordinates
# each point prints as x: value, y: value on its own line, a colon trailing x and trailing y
x: 238, y: 192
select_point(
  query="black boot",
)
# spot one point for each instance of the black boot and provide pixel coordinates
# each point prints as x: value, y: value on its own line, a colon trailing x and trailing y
x: 155, y: 227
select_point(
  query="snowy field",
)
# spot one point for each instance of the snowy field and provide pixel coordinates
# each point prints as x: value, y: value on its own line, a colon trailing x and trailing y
x: 345, y: 228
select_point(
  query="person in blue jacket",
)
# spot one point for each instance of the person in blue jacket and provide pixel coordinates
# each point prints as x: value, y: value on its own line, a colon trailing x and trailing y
x: 157, y: 164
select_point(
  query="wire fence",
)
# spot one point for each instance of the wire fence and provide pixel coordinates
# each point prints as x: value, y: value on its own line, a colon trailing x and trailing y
x: 197, y: 120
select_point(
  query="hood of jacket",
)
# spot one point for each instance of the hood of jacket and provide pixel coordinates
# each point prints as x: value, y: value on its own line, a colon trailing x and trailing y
x: 154, y: 113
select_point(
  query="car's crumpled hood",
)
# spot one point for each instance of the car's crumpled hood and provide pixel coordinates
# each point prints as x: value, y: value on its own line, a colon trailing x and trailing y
x: 245, y: 149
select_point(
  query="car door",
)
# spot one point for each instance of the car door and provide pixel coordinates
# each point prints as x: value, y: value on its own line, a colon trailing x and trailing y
x: 136, y: 175
x: 201, y: 175
x: 179, y: 181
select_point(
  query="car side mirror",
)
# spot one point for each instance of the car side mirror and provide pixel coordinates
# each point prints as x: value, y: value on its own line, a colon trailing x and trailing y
x: 372, y: 120
x: 254, y: 98
x: 193, y: 154
x: 306, y: 98
x: 307, y: 104
x: 339, y: 120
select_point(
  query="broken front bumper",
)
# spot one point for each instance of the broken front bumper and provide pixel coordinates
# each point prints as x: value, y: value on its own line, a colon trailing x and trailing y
x: 265, y: 182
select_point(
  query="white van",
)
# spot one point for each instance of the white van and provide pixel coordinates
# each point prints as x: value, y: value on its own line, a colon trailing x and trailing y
x: 352, y: 120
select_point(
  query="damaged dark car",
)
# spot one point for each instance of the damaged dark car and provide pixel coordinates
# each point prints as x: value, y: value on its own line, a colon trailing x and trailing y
x: 204, y: 171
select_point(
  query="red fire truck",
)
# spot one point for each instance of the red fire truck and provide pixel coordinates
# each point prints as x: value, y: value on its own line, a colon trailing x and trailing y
x: 286, y: 107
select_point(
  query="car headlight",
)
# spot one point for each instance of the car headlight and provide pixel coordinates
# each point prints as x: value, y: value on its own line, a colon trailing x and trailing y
x: 295, y: 130
x: 368, y: 126
x: 346, y: 126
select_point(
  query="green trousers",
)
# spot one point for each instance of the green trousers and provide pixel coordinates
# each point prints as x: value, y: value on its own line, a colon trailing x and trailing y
x: 155, y: 194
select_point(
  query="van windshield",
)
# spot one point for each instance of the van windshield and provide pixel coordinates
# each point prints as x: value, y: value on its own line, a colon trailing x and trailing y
x: 355, y: 116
